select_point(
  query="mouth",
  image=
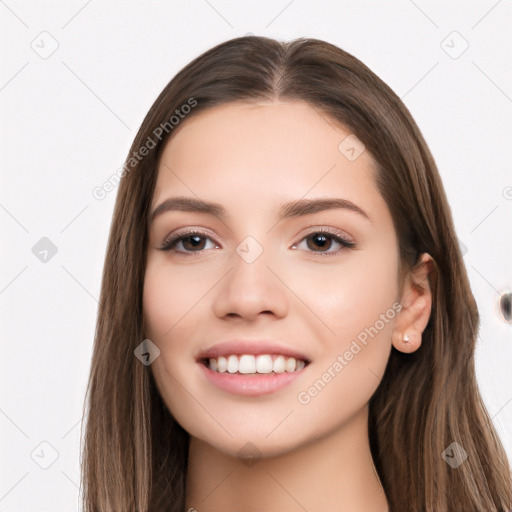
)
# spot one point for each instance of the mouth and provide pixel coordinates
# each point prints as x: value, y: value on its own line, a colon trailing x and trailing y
x: 252, y: 375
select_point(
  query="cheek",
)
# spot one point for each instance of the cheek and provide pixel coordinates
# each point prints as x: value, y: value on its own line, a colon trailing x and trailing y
x: 351, y: 367
x: 166, y: 311
x: 165, y: 304
x: 357, y: 301
x: 157, y: 296
x: 353, y: 295
x: 170, y: 298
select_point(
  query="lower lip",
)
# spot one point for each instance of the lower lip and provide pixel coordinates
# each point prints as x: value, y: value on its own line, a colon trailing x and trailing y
x: 250, y: 384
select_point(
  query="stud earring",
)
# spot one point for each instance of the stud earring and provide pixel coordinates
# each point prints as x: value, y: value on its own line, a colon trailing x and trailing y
x: 407, y: 339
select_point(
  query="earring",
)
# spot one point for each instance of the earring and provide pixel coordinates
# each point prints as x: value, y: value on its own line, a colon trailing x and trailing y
x: 407, y: 339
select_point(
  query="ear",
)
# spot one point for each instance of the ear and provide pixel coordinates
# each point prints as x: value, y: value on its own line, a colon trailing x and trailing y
x: 416, y: 304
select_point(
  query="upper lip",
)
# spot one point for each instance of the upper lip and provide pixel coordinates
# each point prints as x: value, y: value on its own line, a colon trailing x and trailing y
x: 255, y: 347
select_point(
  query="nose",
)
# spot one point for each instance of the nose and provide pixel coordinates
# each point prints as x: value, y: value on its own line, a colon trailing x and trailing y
x: 250, y: 288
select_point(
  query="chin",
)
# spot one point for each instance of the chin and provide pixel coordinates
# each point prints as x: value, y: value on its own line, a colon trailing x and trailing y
x: 250, y: 448
x: 248, y: 441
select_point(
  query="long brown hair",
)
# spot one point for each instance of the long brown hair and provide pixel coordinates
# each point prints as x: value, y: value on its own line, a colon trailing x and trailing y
x: 135, y: 453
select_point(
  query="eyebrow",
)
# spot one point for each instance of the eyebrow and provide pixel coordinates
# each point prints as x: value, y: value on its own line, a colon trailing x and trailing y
x: 288, y: 210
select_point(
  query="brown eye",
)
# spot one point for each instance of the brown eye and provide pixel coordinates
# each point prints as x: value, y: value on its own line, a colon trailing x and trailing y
x: 191, y: 242
x: 319, y: 240
x: 195, y: 241
x: 325, y: 240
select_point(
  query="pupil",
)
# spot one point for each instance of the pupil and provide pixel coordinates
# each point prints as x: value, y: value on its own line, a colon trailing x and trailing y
x: 322, y: 238
x: 197, y: 240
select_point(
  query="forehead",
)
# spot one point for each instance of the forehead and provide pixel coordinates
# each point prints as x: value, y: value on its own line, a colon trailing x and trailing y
x: 264, y: 153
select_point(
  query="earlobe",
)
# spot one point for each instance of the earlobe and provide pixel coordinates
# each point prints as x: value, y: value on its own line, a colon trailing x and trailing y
x: 417, y: 305
x: 407, y: 342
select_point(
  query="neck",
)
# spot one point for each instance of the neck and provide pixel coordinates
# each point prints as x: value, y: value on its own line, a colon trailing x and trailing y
x: 334, y: 472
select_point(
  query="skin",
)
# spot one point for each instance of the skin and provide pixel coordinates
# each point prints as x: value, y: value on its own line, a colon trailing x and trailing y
x: 251, y: 158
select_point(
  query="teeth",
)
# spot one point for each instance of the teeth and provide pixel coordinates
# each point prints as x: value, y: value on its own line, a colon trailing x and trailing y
x: 232, y: 364
x: 279, y: 364
x: 290, y: 365
x: 214, y: 365
x: 222, y: 364
x: 264, y: 364
x: 248, y: 363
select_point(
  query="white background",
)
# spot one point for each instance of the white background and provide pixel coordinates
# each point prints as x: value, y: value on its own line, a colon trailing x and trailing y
x: 67, y: 122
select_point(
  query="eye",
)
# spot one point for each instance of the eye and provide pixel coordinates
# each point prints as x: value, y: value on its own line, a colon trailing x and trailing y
x: 324, y: 238
x: 190, y: 241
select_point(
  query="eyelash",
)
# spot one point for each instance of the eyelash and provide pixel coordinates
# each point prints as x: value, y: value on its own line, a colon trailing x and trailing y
x: 170, y: 243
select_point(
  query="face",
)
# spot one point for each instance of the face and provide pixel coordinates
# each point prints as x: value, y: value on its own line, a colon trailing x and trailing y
x: 318, y: 283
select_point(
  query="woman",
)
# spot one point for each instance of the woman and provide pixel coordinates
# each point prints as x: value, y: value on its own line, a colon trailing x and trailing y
x: 285, y: 321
